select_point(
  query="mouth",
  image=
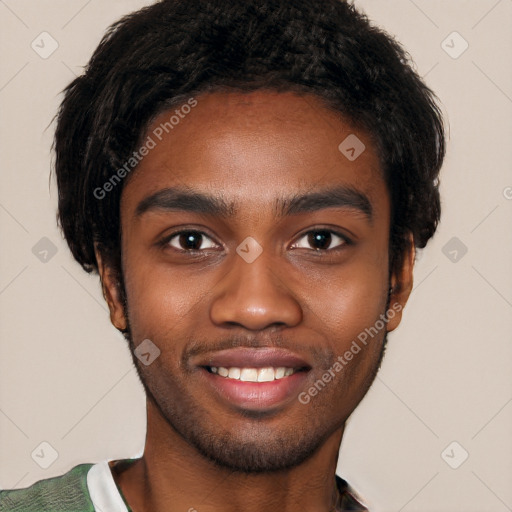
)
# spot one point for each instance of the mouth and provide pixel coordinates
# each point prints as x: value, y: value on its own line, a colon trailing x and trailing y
x: 255, y: 379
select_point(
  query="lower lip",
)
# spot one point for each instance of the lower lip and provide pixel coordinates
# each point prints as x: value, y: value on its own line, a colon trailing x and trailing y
x: 257, y: 395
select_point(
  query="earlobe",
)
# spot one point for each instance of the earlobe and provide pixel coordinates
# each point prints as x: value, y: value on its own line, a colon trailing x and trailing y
x: 401, y: 287
x: 111, y: 292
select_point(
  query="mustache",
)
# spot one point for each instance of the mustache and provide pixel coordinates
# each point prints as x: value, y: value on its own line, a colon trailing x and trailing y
x: 320, y: 355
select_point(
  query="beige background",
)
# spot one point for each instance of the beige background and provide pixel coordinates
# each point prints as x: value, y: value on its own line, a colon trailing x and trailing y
x: 66, y: 377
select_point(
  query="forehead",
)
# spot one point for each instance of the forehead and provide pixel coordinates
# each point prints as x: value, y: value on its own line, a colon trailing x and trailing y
x: 253, y: 148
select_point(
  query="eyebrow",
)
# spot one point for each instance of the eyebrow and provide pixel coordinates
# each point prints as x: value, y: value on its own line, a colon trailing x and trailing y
x: 189, y: 200
x: 336, y: 197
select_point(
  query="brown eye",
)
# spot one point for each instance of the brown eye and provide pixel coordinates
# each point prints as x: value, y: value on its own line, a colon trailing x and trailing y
x: 191, y: 241
x: 320, y: 240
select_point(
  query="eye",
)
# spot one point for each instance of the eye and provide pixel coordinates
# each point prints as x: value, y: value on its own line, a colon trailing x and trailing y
x: 190, y: 241
x: 321, y: 240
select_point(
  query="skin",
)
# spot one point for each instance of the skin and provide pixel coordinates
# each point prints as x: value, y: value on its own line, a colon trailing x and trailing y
x: 313, y: 298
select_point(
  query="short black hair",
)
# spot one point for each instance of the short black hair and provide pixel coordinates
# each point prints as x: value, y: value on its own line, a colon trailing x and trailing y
x: 165, y: 53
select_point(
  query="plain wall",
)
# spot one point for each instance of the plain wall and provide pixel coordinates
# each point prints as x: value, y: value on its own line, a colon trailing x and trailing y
x: 66, y: 377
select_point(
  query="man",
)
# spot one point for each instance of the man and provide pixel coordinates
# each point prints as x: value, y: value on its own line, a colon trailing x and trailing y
x: 250, y: 179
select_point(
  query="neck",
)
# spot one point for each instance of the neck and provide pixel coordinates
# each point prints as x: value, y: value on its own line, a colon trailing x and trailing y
x: 171, y: 471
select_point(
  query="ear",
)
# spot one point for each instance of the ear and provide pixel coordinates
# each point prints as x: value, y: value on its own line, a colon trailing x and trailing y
x: 401, y: 286
x: 111, y: 292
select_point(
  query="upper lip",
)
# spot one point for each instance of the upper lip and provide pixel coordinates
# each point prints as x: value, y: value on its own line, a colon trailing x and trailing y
x: 255, y: 358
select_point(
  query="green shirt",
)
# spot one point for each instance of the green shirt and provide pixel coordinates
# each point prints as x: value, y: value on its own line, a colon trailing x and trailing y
x: 63, y: 493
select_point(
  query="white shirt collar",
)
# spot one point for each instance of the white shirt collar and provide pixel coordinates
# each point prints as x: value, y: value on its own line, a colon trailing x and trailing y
x: 103, y: 491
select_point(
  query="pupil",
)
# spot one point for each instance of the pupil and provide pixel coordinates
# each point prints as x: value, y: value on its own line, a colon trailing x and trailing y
x: 322, y: 238
x: 190, y: 241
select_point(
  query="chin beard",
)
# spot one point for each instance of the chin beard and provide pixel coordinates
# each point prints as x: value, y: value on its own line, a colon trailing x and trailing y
x: 259, y: 448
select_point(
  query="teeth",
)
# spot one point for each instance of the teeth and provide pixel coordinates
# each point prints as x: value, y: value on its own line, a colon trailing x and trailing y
x: 249, y: 375
x: 267, y: 374
x: 234, y: 373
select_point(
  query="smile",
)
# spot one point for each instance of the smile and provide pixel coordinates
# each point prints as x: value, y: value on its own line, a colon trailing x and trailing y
x: 267, y: 374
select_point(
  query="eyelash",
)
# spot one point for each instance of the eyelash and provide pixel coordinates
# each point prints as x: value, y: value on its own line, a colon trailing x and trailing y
x: 165, y: 243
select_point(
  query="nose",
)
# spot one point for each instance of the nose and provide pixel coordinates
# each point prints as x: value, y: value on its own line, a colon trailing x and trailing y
x: 254, y: 296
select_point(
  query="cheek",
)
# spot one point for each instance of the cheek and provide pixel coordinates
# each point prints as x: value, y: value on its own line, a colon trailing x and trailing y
x: 349, y: 317
x: 162, y: 300
x: 346, y: 301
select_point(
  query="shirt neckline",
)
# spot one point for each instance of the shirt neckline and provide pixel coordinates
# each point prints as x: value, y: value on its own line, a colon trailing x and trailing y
x: 103, y: 490
x: 106, y: 495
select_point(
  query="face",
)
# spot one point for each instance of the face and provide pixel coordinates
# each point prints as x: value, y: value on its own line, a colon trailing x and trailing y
x: 253, y: 247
